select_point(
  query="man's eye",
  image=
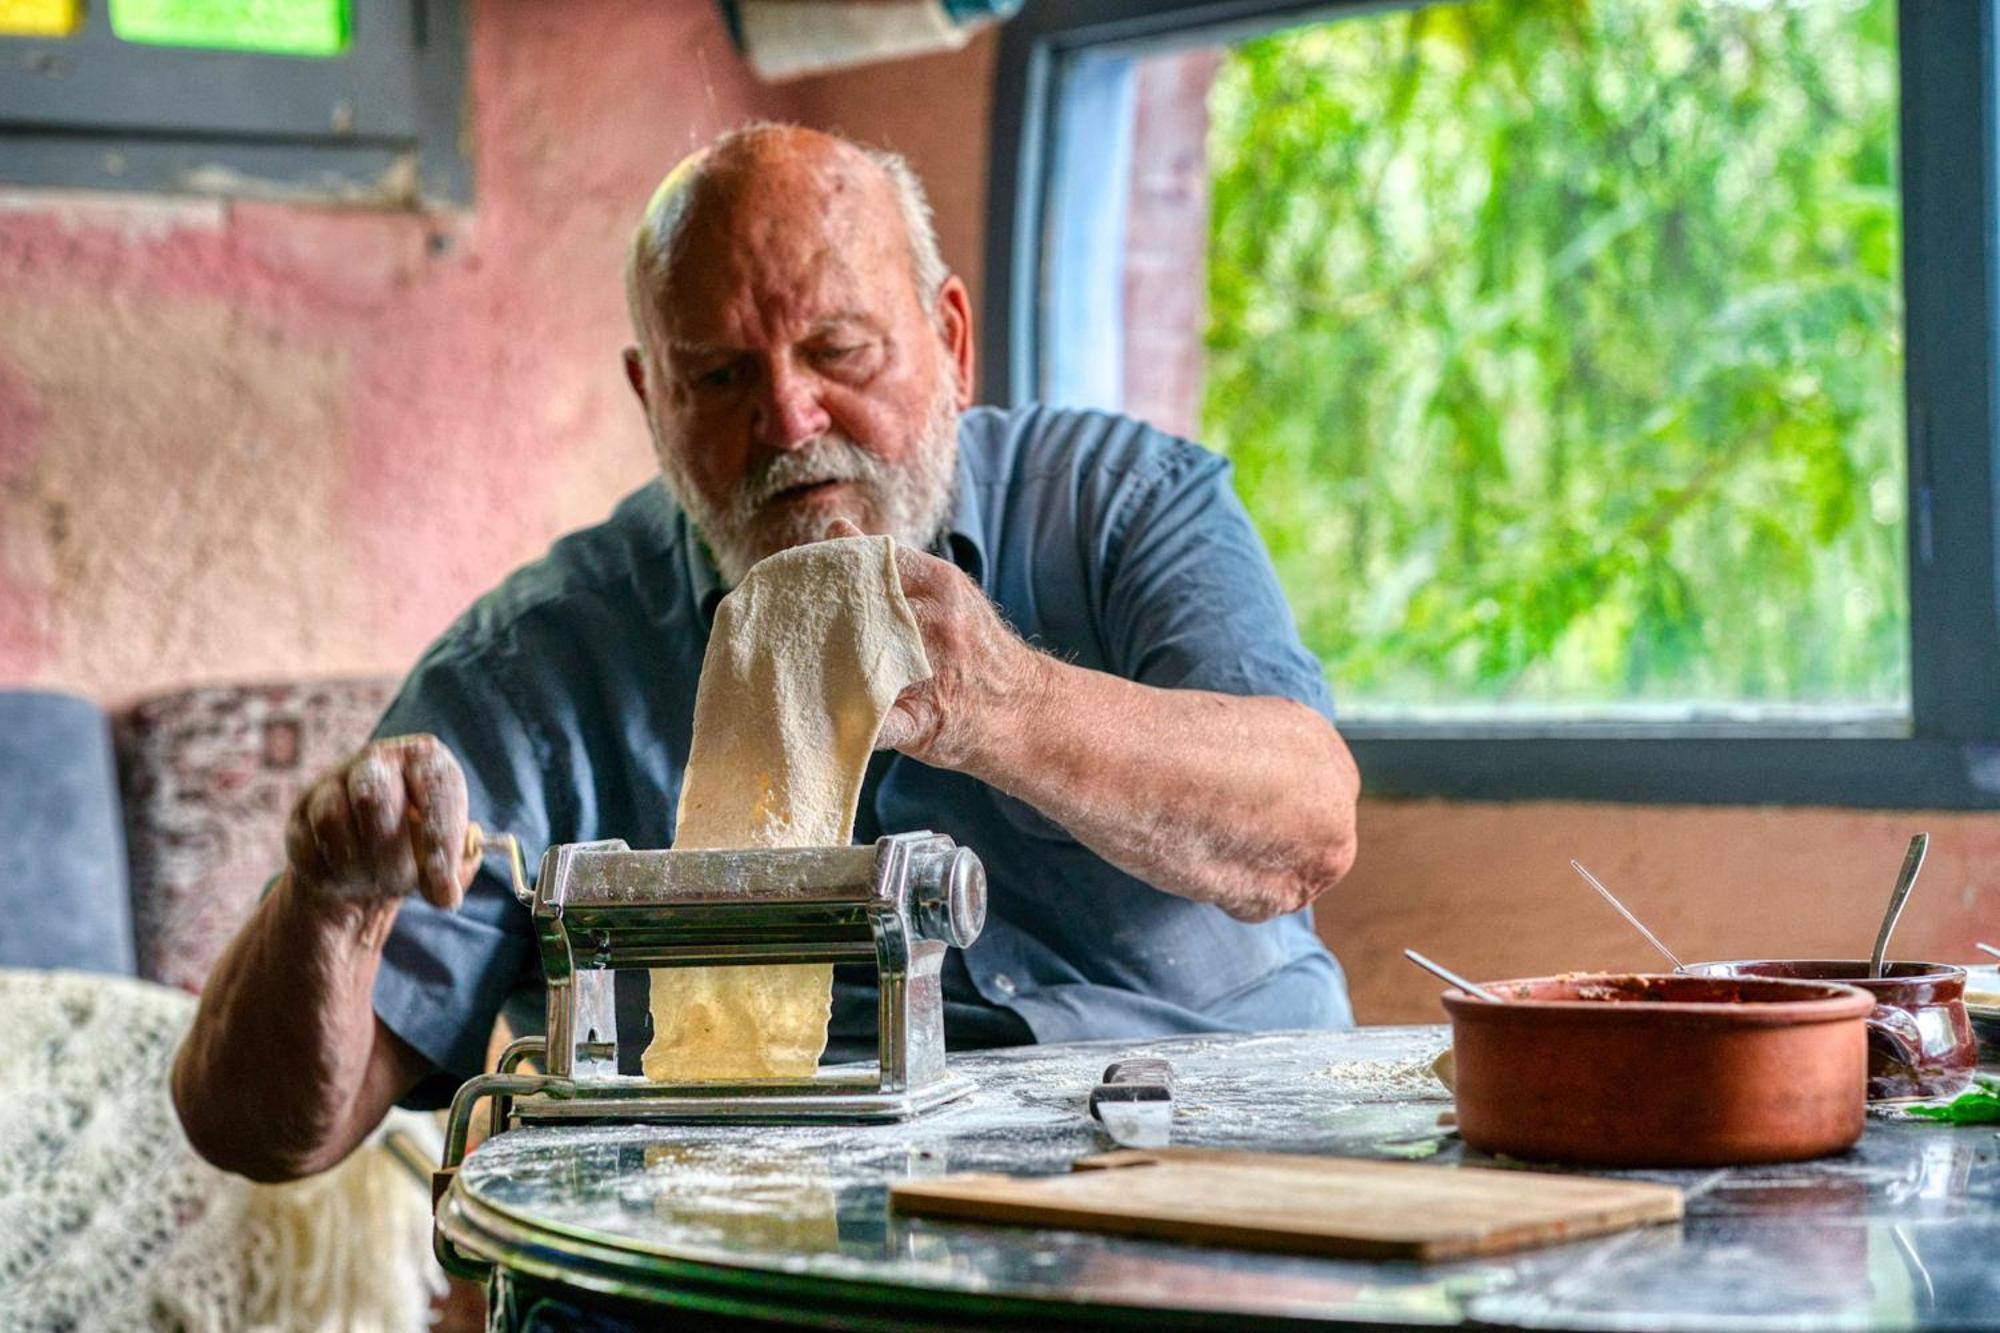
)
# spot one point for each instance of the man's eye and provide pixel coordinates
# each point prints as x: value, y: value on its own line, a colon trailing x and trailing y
x: 718, y: 377
x: 839, y: 353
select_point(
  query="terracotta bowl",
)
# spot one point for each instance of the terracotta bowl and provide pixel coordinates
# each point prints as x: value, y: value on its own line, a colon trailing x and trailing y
x: 1636, y: 1070
x: 1920, y: 1038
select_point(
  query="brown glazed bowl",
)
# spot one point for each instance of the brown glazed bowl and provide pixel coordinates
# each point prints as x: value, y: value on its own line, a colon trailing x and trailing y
x: 1636, y: 1070
x: 1920, y: 1040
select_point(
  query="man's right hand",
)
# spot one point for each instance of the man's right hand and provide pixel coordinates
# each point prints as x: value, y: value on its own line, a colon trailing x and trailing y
x: 286, y: 1066
x: 389, y: 822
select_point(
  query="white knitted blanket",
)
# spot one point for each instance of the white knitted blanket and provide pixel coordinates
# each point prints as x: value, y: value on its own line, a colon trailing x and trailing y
x: 108, y: 1219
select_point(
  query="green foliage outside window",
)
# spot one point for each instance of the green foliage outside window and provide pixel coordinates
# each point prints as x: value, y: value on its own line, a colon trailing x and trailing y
x: 1558, y: 347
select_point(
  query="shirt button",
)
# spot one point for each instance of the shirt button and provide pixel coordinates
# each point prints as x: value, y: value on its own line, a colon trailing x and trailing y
x: 1003, y: 983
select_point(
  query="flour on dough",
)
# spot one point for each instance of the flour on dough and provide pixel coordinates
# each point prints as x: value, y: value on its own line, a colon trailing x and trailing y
x: 808, y: 654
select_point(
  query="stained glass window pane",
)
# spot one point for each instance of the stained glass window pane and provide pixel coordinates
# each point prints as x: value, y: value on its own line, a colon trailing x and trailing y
x: 40, y: 18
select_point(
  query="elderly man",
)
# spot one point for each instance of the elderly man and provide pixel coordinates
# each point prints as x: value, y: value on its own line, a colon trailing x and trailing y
x: 1121, y: 719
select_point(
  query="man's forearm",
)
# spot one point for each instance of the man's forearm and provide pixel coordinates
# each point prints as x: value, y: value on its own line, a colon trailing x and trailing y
x: 1247, y: 803
x: 286, y: 1068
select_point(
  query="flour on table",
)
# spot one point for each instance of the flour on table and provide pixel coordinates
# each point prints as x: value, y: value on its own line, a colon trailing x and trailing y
x: 808, y: 654
x: 1391, y: 1080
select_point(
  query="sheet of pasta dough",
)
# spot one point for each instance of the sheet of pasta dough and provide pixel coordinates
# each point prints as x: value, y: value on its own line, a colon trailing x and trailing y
x: 808, y: 654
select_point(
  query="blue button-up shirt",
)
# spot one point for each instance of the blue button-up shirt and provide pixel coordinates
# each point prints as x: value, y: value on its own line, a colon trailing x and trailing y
x: 568, y: 695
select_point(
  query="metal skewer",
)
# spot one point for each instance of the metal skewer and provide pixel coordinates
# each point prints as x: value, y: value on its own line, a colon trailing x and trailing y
x: 1637, y: 924
x: 1987, y: 948
x: 1445, y: 974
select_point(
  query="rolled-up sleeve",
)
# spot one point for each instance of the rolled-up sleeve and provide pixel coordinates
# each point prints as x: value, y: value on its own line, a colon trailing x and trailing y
x: 445, y: 975
x: 1192, y: 601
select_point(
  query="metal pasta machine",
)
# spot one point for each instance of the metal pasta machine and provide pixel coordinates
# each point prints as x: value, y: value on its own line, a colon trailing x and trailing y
x: 600, y: 907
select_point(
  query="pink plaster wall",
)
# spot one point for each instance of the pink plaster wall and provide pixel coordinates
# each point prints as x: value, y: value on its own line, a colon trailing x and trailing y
x: 242, y: 440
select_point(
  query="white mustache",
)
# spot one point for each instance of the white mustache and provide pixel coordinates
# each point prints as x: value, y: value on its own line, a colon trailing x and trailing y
x: 911, y: 498
x: 829, y: 458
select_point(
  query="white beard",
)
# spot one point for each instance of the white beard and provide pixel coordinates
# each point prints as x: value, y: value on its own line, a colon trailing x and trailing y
x: 911, y: 501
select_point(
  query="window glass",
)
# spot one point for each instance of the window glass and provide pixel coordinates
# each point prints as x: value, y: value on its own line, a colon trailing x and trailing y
x: 273, y: 27
x: 1558, y: 346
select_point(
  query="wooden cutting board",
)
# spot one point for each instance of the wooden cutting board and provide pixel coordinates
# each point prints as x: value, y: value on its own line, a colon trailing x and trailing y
x: 1334, y: 1206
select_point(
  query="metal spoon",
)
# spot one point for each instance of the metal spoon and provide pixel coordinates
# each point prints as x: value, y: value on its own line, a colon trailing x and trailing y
x: 1445, y: 974
x: 1987, y: 948
x: 1913, y: 861
x: 1623, y: 911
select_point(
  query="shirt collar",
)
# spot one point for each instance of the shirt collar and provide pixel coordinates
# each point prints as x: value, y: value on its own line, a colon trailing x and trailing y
x: 705, y: 590
x: 965, y: 536
x: 964, y: 545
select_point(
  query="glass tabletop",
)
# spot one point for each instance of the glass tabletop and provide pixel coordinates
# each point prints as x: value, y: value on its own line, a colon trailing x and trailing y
x: 790, y: 1221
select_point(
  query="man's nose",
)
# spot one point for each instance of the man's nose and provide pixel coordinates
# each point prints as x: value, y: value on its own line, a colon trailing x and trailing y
x: 789, y: 413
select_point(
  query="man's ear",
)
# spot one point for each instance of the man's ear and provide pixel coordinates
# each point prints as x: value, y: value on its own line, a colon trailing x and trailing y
x: 954, y: 322
x: 635, y: 373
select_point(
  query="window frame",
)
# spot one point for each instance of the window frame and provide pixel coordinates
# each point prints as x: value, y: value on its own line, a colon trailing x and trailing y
x: 378, y: 124
x: 1948, y: 755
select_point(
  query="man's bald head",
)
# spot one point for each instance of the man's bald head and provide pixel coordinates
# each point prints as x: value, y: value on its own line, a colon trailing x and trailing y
x: 802, y: 353
x: 757, y: 168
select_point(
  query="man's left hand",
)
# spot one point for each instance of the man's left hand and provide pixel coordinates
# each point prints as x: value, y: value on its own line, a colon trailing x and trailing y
x: 1107, y: 759
x: 982, y: 673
